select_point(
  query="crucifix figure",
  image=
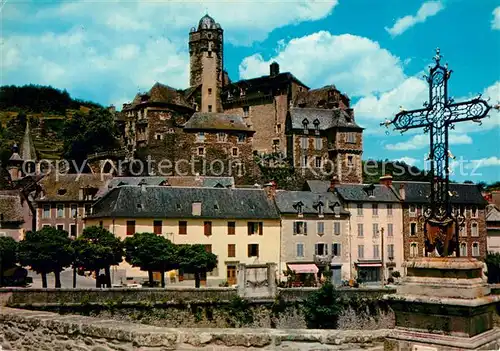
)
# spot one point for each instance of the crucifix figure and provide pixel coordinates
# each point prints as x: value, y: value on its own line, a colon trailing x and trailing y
x: 440, y: 113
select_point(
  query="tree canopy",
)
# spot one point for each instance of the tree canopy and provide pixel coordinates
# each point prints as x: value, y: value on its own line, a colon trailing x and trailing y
x: 195, y: 259
x: 8, y: 255
x: 46, y: 250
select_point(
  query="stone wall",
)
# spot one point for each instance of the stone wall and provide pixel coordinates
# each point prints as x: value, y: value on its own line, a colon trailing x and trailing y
x: 29, y: 330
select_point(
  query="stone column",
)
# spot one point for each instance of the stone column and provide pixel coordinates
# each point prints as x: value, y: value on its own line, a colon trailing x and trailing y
x: 271, y: 279
x: 242, y: 278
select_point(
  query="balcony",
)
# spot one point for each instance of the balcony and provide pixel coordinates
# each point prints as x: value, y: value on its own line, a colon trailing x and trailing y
x: 322, y: 259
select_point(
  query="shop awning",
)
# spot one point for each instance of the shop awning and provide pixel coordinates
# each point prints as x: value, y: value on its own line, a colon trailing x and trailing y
x: 369, y: 264
x: 304, y: 268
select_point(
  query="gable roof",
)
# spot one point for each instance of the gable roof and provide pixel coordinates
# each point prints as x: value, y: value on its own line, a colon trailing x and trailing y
x: 361, y: 193
x: 66, y: 187
x: 161, y: 93
x: 418, y: 192
x: 315, y: 97
x: 176, y: 202
x: 11, y: 208
x: 265, y: 81
x: 327, y: 118
x: 286, y: 200
x: 216, y: 121
x: 493, y: 214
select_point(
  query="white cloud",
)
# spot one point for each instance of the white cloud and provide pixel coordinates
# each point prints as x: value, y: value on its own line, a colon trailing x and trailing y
x: 408, y: 160
x: 495, y: 22
x: 492, y: 161
x: 357, y: 65
x: 420, y: 141
x: 428, y: 9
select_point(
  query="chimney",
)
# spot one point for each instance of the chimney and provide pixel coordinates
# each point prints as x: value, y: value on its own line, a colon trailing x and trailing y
x: 333, y: 183
x: 274, y: 69
x: 402, y: 192
x: 271, y: 189
x: 386, y: 180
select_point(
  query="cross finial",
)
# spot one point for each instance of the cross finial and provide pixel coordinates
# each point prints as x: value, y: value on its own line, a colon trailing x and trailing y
x: 437, y: 58
x: 206, y: 10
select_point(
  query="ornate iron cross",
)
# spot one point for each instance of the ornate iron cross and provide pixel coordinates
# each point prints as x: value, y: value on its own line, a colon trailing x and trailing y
x: 439, y: 115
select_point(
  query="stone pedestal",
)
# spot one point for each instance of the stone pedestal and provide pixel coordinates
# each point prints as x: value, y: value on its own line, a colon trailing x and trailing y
x: 443, y: 304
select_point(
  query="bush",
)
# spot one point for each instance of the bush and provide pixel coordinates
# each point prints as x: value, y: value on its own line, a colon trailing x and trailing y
x: 396, y: 274
x: 390, y: 280
x: 492, y: 261
x: 322, y: 308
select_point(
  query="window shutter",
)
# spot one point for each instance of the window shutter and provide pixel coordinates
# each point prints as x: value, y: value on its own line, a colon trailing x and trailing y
x: 249, y: 225
x: 305, y: 228
x: 261, y: 229
x: 316, y: 249
x: 257, y: 250
x: 339, y: 249
x: 326, y: 249
x: 249, y: 250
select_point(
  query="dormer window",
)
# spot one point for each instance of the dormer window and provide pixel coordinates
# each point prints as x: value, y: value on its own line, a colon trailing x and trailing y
x: 305, y: 124
x: 299, y: 206
x: 319, y: 206
x: 316, y: 126
x: 369, y: 190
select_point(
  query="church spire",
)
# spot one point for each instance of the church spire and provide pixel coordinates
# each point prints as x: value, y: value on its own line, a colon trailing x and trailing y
x: 28, y: 152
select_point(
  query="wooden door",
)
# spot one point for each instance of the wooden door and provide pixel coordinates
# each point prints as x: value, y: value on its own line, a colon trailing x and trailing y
x: 231, y: 275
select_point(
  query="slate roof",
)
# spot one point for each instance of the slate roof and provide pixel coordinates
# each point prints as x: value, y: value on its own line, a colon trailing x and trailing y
x: 216, y: 121
x: 359, y: 193
x: 317, y: 186
x: 285, y: 200
x: 66, y: 187
x: 161, y: 93
x: 417, y: 192
x: 11, y: 208
x: 176, y: 202
x: 263, y: 82
x: 493, y: 214
x: 327, y: 118
x: 315, y: 97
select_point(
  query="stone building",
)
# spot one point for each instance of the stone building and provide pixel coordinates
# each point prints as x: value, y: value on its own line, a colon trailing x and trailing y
x: 16, y: 214
x: 219, y: 121
x: 493, y: 228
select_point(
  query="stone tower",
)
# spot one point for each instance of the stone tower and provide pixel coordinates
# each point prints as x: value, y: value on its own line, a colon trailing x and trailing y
x: 206, y: 66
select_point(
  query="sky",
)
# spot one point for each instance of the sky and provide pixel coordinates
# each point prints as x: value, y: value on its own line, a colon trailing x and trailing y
x: 375, y: 51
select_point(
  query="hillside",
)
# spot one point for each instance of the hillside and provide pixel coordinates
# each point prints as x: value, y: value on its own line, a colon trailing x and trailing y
x: 374, y: 169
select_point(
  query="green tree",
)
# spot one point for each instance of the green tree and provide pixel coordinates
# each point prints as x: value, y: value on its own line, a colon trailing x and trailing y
x: 47, y: 250
x: 8, y: 255
x: 492, y: 261
x: 89, y: 133
x: 195, y: 259
x: 96, y: 249
x: 322, y: 308
x: 151, y: 253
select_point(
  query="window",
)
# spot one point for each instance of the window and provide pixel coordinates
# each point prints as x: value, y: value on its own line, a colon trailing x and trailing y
x: 390, y: 251
x: 318, y: 143
x: 246, y: 111
x: 413, y: 229
x: 320, y: 226
x: 209, y: 91
x: 46, y: 211
x: 207, y: 228
x: 255, y: 227
x: 241, y: 138
x: 351, y: 138
x: 336, y: 249
x: 463, y: 230
x: 463, y: 249
x: 253, y: 250
x: 350, y: 161
x: 361, y: 251
x: 235, y: 151
x: 300, y: 250
x: 360, y: 209
x: 130, y: 227
x: 321, y: 249
x: 73, y: 230
x: 183, y: 227
x: 475, y: 249
x: 413, y: 250
x: 376, y: 252
x: 60, y: 227
x: 74, y: 210
x: 336, y: 228
x: 200, y: 137
x: 157, y: 225
x: 320, y: 210
x: 88, y: 209
x: 221, y: 137
x: 278, y: 128
x: 231, y: 250
x: 208, y: 248
x: 375, y: 209
x: 158, y: 136
x: 360, y: 230
x: 473, y: 229
x: 474, y: 212
x: 231, y: 228
x: 390, y: 229
x: 375, y: 230
x: 304, y: 143
x: 300, y: 228
x: 413, y: 211
x: 60, y: 210
x: 209, y: 108
x: 304, y: 124
x: 318, y: 162
x: 389, y: 209
x: 201, y: 151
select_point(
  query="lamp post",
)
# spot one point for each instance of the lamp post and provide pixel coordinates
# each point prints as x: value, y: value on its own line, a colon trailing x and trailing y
x: 382, y: 252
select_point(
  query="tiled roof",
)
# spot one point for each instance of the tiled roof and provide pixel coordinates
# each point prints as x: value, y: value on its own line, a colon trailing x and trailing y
x: 361, y: 192
x: 493, y: 214
x: 216, y: 121
x: 317, y: 97
x: 11, y: 208
x: 66, y: 187
x: 286, y: 200
x: 327, y: 118
x: 176, y: 202
x: 417, y: 192
x: 161, y: 93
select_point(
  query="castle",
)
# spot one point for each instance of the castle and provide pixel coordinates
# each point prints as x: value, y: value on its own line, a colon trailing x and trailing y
x: 216, y: 126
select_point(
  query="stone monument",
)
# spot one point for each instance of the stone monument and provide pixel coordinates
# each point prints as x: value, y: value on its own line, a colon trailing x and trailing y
x: 444, y: 302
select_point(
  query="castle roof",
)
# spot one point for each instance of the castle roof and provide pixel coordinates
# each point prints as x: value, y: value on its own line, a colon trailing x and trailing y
x: 216, y: 121
x: 325, y: 118
x: 207, y: 22
x: 320, y: 97
x: 161, y: 93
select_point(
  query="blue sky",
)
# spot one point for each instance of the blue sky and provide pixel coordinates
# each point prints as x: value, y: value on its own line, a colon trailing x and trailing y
x: 376, y: 52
